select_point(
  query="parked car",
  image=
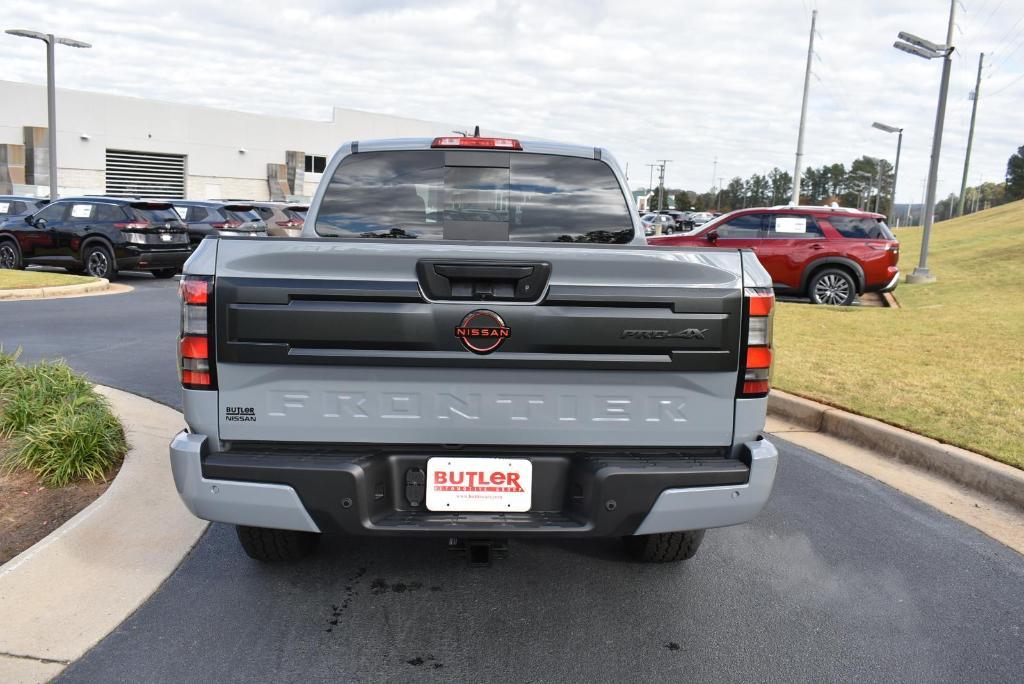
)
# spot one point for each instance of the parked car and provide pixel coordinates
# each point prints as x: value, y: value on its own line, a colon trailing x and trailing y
x: 219, y: 218
x: 16, y: 207
x: 652, y: 222
x: 677, y: 216
x: 829, y: 254
x: 536, y: 373
x: 282, y: 218
x: 698, y: 218
x: 98, y: 236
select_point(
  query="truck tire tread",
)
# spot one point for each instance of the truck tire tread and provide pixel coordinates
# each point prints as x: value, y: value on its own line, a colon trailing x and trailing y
x: 274, y: 546
x: 666, y: 547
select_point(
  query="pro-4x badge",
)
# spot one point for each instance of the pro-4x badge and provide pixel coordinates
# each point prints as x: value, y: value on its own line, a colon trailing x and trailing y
x: 482, y: 331
x: 685, y: 334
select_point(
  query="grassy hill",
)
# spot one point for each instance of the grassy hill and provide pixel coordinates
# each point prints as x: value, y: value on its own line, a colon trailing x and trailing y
x: 950, y: 363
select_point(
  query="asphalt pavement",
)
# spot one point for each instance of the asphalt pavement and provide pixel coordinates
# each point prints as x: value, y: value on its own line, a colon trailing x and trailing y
x: 841, y: 578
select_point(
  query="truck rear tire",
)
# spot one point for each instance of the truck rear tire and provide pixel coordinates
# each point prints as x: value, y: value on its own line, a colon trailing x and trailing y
x: 274, y: 546
x: 667, y: 547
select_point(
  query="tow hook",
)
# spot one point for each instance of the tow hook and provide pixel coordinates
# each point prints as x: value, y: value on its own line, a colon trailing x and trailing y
x: 479, y: 553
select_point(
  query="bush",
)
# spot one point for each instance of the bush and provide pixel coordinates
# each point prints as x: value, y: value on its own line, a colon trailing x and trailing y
x: 61, y: 429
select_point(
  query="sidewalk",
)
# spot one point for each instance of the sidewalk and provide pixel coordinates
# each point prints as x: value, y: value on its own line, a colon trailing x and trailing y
x: 64, y: 594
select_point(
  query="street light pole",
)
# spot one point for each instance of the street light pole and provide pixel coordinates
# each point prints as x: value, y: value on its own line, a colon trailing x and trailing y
x: 51, y: 93
x: 929, y: 50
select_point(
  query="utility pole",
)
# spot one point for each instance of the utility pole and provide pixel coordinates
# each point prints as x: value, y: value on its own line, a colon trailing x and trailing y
x: 661, y: 183
x: 929, y: 50
x: 803, y: 114
x: 970, y: 136
x: 714, y: 171
x: 650, y: 182
x: 878, y: 197
x: 718, y: 198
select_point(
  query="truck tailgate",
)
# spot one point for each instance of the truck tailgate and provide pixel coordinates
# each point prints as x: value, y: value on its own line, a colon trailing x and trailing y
x: 350, y: 341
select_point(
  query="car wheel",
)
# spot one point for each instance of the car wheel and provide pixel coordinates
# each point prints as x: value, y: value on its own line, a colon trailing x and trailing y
x: 667, y: 547
x: 274, y: 546
x: 164, y: 272
x: 98, y: 261
x: 667, y: 231
x: 832, y: 286
x: 10, y: 256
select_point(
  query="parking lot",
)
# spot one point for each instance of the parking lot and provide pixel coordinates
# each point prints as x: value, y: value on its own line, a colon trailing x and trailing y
x: 840, y: 578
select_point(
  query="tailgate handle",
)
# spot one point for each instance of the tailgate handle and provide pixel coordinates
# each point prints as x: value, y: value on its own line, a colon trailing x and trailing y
x: 482, y: 272
x: 483, y: 281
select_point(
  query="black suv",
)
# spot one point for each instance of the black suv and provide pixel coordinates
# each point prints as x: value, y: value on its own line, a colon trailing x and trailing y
x: 98, y: 236
x: 16, y: 207
x: 219, y: 218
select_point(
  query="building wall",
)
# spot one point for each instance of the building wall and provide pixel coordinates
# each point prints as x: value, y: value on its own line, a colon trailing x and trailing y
x: 232, y: 147
x: 223, y: 187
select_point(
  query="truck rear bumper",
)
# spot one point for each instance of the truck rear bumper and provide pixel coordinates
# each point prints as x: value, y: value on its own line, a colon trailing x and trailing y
x: 360, y: 491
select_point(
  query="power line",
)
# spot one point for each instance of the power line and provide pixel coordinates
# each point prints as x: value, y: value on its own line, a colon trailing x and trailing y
x: 1005, y: 87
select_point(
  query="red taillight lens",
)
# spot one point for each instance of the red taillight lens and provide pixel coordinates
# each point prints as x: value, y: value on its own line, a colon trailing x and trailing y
x: 757, y: 364
x: 195, y: 362
x: 193, y: 347
x: 760, y: 304
x: 227, y: 225
x: 466, y: 141
x: 759, y: 357
x: 756, y: 387
x: 133, y: 225
x: 193, y: 291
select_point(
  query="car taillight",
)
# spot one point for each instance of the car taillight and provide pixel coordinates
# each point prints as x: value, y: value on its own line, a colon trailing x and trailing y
x: 757, y: 364
x: 466, y: 141
x: 289, y: 224
x: 227, y: 225
x: 133, y: 225
x: 195, y: 362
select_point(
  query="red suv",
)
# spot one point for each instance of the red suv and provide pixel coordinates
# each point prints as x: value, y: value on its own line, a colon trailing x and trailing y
x: 829, y: 254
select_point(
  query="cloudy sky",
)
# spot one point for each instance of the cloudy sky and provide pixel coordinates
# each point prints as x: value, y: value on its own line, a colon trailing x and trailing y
x: 686, y: 81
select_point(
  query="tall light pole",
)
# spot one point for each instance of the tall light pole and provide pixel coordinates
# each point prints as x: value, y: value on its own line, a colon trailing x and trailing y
x: 51, y: 93
x: 896, y: 169
x: 970, y: 135
x: 803, y: 114
x: 929, y: 50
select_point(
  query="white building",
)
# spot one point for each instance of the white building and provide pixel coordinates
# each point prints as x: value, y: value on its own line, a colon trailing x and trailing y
x: 112, y: 144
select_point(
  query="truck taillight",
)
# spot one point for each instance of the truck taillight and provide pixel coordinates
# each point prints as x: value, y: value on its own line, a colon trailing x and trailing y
x: 195, y: 361
x: 757, y: 364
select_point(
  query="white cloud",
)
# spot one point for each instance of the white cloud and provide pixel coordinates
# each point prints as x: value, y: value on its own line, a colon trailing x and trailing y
x: 683, y: 81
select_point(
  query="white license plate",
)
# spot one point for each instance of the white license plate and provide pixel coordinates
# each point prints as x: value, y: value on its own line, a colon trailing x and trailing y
x: 166, y: 237
x: 479, y: 484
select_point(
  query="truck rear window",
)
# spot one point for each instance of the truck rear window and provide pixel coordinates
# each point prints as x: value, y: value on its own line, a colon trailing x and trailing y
x: 439, y: 195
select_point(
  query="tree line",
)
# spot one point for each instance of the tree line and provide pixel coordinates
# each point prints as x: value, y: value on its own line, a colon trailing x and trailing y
x: 865, y: 184
x: 867, y: 180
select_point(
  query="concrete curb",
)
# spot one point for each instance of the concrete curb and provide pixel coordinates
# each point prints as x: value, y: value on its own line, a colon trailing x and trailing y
x: 55, y: 291
x: 967, y: 468
x: 64, y: 594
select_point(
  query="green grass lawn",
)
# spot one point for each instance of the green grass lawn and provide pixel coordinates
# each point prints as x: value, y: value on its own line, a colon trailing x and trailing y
x: 18, y: 280
x: 950, y: 363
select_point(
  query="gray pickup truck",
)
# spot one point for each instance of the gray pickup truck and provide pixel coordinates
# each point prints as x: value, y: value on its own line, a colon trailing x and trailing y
x: 471, y: 340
